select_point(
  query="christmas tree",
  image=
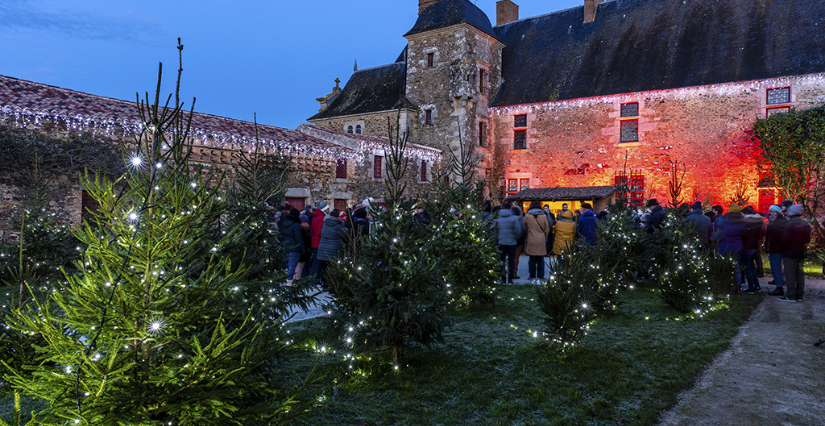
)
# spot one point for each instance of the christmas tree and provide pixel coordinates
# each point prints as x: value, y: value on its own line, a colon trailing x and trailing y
x: 142, y: 334
x: 465, y: 245
x: 389, y: 292
x: 260, y: 181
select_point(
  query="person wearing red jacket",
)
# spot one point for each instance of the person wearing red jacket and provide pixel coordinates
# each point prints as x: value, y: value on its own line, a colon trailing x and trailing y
x: 315, y: 235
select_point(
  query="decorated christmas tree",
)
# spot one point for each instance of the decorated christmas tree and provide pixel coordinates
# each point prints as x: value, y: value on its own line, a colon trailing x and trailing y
x: 143, y: 334
x: 390, y: 295
x: 464, y: 243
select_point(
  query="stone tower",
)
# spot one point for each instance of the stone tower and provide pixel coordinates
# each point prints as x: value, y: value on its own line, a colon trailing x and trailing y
x: 453, y: 73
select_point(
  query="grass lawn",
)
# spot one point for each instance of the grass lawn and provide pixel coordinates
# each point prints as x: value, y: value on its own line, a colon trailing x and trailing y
x: 492, y: 371
x: 812, y: 267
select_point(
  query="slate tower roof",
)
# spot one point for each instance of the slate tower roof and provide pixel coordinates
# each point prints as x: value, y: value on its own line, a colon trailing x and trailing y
x: 445, y: 13
x: 370, y: 90
x: 640, y: 45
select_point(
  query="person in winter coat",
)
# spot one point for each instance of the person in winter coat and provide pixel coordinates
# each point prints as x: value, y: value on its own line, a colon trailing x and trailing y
x: 317, y: 222
x: 305, y: 256
x: 332, y: 242
x: 798, y: 235
x: 586, y: 226
x: 509, y: 228
x: 535, y: 221
x: 520, y: 241
x: 565, y: 230
x: 701, y: 223
x: 751, y: 240
x: 551, y: 221
x: 657, y: 215
x: 775, y: 245
x: 728, y: 231
x: 293, y: 242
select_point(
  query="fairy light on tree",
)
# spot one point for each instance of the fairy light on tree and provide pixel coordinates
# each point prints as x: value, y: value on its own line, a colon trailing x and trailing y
x: 142, y: 298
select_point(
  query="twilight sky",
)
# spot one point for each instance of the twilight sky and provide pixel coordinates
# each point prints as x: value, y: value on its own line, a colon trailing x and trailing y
x: 240, y: 57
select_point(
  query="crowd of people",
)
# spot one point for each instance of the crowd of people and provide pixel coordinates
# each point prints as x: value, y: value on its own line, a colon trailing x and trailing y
x: 741, y: 233
x: 317, y: 234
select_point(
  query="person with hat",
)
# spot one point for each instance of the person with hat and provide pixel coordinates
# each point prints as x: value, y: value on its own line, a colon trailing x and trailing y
x: 586, y: 225
x: 728, y: 232
x: 798, y: 235
x: 657, y: 215
x: 774, y: 245
x: 785, y: 204
x: 701, y: 223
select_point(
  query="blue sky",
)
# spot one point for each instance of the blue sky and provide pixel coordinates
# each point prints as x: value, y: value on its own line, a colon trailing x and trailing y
x: 242, y: 57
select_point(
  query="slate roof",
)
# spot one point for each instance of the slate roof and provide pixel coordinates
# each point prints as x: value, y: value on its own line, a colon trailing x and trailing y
x: 371, y: 90
x: 561, y: 194
x: 27, y: 98
x: 445, y: 13
x: 641, y: 45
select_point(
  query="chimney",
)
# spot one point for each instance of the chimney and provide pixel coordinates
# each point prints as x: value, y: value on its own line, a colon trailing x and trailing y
x: 423, y: 4
x: 590, y: 7
x: 506, y: 12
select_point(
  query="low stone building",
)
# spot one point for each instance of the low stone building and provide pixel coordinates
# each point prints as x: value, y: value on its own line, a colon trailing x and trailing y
x: 335, y: 167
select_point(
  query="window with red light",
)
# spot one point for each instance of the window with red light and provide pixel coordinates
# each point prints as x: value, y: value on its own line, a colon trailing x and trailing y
x: 376, y: 166
x: 632, y: 187
x: 767, y: 198
x: 341, y: 169
x: 297, y: 203
x: 512, y: 186
x: 339, y: 204
x: 524, y: 184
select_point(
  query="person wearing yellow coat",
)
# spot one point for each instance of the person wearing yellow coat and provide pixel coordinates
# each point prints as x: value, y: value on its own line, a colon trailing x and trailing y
x: 565, y: 229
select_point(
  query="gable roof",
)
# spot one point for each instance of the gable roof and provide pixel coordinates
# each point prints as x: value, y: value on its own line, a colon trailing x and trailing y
x: 370, y: 90
x: 564, y: 193
x: 445, y: 13
x: 36, y: 101
x: 641, y: 45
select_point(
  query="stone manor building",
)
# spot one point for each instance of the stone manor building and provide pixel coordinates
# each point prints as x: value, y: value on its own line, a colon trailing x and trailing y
x: 608, y: 92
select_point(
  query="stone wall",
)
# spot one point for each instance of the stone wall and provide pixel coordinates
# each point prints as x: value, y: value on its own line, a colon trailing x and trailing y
x: 451, y: 89
x: 707, y: 128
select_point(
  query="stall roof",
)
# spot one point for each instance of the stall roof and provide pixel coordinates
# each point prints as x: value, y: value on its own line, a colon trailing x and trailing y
x: 566, y: 193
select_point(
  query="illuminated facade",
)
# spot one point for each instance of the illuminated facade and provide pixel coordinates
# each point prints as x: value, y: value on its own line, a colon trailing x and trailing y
x: 610, y: 92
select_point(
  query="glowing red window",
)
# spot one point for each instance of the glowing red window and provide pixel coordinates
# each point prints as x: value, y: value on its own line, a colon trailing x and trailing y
x: 341, y: 169
x: 376, y: 166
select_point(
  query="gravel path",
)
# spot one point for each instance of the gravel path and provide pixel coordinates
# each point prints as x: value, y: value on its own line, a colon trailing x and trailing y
x: 772, y: 375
